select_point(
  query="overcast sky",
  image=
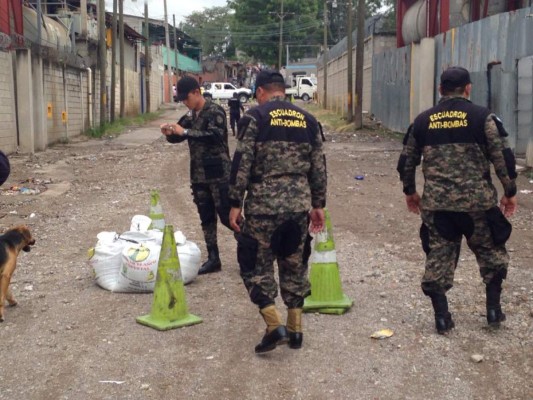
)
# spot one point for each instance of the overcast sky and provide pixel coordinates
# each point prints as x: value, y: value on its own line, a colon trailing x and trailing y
x: 156, y: 8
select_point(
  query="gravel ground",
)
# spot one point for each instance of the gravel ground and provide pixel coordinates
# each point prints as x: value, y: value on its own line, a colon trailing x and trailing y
x: 70, y: 339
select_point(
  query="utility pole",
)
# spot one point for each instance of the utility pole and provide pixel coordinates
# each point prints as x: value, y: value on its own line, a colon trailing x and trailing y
x: 280, y: 49
x: 113, y: 61
x: 102, y: 60
x: 175, y: 44
x: 39, y: 23
x: 121, y: 34
x: 359, y: 60
x: 349, y: 55
x: 147, y: 57
x: 169, y: 67
x: 281, y: 15
x: 326, y: 51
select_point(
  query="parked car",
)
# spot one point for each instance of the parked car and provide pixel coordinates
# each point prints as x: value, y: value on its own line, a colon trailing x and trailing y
x: 224, y: 91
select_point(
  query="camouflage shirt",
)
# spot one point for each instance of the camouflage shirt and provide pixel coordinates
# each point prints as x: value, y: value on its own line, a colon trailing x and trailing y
x: 207, y: 135
x: 279, y: 161
x: 456, y: 141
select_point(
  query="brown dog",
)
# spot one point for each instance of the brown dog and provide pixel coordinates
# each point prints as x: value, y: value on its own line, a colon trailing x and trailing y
x: 11, y: 243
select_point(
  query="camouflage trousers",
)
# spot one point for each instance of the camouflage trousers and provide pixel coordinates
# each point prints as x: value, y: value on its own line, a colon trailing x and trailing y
x: 441, y: 233
x: 280, y: 237
x: 211, y: 199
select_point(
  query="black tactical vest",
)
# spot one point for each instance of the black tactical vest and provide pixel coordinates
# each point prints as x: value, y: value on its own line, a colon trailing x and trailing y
x: 280, y: 120
x: 456, y: 120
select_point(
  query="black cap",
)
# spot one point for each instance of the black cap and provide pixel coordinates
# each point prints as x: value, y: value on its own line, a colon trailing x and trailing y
x: 185, y: 86
x: 267, y: 76
x: 454, y: 77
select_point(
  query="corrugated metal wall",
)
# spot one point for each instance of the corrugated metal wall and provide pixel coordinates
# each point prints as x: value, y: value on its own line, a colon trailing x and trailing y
x: 391, y: 88
x: 503, y: 38
x: 489, y: 49
x: 338, y: 74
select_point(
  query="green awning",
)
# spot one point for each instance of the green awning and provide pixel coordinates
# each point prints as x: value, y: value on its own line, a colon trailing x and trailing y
x: 184, y: 63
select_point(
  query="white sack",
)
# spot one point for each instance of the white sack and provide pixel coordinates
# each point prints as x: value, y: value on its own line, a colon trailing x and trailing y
x: 139, y: 267
x: 190, y: 258
x: 128, y: 263
x: 106, y: 260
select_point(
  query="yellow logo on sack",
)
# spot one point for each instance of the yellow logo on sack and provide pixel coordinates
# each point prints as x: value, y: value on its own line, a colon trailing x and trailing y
x: 138, y: 253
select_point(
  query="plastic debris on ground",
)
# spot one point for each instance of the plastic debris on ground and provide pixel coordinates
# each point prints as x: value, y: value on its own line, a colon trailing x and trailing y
x: 30, y: 186
x: 382, y: 334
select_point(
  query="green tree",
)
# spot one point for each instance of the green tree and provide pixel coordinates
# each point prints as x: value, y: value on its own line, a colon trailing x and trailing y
x: 211, y: 27
x: 255, y: 27
x: 338, y: 15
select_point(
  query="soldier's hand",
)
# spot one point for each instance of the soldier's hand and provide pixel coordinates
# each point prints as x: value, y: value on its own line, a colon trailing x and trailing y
x: 317, y: 220
x: 508, y: 205
x: 413, y: 202
x: 171, y: 129
x: 165, y: 129
x: 235, y: 219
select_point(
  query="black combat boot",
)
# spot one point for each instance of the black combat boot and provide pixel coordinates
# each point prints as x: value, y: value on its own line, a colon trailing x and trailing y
x: 443, y: 318
x: 494, y: 308
x: 275, y: 334
x: 213, y: 263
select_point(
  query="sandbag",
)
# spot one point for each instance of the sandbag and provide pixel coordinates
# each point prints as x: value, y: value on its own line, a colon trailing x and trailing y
x: 128, y: 262
x: 105, y: 260
x: 139, y: 267
x: 190, y: 259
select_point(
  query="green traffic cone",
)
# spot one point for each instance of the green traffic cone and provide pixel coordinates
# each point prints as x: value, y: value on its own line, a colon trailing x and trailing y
x: 326, y: 288
x: 156, y: 211
x: 169, y: 308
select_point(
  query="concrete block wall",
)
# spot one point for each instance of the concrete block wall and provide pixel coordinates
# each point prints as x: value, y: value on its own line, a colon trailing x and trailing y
x: 76, y: 100
x: 54, y: 97
x: 8, y: 122
x: 132, y: 79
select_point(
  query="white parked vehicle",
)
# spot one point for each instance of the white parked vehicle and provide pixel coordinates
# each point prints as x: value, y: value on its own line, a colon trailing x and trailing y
x: 224, y: 91
x: 304, y: 87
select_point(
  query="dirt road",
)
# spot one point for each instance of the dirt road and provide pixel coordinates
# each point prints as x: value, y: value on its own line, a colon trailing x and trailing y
x: 70, y: 339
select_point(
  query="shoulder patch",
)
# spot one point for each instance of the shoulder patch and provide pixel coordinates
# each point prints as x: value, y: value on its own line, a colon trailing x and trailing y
x: 220, y: 119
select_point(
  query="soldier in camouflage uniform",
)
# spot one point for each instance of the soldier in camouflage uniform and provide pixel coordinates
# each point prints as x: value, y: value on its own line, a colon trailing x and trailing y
x: 280, y: 165
x: 457, y: 142
x: 204, y: 127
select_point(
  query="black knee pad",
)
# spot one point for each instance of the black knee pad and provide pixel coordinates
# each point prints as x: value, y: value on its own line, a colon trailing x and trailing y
x: 424, y: 238
x: 451, y: 226
x: 500, y: 228
x: 499, y: 276
x: 259, y: 298
x: 247, y: 248
x: 307, y: 250
x: 286, y: 239
x: 206, y: 207
x: 224, y: 208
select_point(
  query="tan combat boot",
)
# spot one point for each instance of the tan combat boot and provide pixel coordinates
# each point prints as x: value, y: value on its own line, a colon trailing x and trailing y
x: 276, y: 333
x: 294, y: 326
